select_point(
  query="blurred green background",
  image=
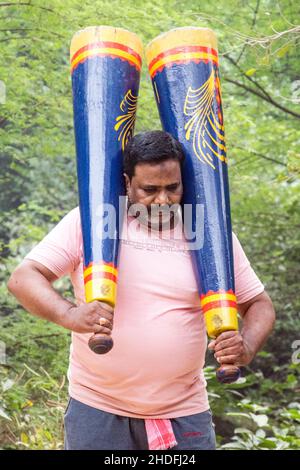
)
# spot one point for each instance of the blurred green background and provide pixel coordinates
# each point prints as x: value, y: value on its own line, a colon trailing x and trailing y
x: 260, y: 81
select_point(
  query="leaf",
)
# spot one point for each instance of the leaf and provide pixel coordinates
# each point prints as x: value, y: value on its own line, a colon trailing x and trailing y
x: 24, y: 438
x: 250, y: 72
x: 27, y: 404
x: 4, y: 415
x: 260, y: 420
x: 260, y: 433
x: 242, y: 431
x: 291, y: 379
x: 234, y: 446
x: 48, y: 435
x: 235, y: 413
x: 213, y: 395
x: 283, y: 51
x: 267, y: 443
x: 7, y: 384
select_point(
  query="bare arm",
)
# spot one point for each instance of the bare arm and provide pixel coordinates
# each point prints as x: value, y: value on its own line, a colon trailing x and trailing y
x: 258, y: 320
x: 31, y: 284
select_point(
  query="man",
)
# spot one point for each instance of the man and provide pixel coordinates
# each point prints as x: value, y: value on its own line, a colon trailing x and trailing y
x: 154, y: 373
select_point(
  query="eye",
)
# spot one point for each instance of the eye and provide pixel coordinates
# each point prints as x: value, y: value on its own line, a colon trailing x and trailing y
x: 150, y: 190
x: 173, y: 187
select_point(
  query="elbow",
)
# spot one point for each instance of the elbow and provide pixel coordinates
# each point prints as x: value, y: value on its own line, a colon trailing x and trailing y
x: 13, y: 282
x: 270, y: 308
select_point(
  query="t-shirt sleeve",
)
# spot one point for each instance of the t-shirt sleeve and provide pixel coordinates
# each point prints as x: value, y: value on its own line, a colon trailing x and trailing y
x: 247, y: 284
x: 60, y: 250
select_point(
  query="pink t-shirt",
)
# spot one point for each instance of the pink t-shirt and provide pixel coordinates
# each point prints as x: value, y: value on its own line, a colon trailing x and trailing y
x: 155, y: 369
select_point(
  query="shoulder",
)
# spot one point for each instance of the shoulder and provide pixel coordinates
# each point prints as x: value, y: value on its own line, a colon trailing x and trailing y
x: 236, y: 246
x: 72, y: 221
x: 73, y: 214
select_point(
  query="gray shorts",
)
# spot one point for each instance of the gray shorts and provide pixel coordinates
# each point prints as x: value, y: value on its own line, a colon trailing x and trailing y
x: 88, y: 428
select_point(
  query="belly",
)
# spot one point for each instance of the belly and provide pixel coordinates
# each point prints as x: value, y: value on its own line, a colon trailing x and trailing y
x: 158, y: 353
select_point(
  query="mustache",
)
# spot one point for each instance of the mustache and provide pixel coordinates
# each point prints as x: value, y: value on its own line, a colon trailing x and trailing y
x: 158, y: 216
x: 138, y: 209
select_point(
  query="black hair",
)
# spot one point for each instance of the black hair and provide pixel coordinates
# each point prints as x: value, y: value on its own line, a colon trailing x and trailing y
x: 151, y: 147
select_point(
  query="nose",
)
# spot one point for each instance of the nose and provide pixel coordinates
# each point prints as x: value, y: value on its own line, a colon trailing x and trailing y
x: 162, y: 198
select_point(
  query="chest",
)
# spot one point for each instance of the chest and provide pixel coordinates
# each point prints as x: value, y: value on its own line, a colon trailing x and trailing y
x: 158, y: 271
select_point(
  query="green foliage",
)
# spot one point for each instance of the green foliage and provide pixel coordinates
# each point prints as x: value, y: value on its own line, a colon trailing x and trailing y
x: 260, y: 91
x: 33, y: 383
x: 257, y: 412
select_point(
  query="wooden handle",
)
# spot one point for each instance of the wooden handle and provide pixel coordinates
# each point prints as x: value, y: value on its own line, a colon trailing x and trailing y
x: 100, y: 344
x: 228, y: 374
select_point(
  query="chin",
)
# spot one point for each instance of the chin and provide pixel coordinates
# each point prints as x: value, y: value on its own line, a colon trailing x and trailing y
x: 161, y: 225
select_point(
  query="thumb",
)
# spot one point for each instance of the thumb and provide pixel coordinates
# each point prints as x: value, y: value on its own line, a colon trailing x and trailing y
x: 212, y: 345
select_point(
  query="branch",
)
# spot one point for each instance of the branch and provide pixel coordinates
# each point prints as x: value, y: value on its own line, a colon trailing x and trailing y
x: 247, y: 76
x: 263, y: 96
x: 19, y: 37
x: 27, y: 4
x: 14, y: 30
x: 252, y: 26
x: 263, y: 224
x: 258, y: 154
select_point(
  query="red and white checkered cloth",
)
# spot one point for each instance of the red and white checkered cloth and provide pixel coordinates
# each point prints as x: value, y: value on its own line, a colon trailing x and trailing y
x: 160, y: 434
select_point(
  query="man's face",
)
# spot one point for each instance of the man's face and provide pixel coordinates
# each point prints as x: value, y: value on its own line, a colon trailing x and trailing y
x: 156, y: 187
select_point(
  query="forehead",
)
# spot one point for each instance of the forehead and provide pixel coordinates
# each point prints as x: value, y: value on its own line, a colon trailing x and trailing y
x: 153, y: 173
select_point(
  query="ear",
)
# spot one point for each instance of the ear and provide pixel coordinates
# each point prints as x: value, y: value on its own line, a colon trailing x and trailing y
x: 127, y: 183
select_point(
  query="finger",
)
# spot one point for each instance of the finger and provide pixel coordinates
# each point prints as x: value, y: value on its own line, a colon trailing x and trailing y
x: 228, y: 343
x: 101, y: 329
x: 228, y: 359
x: 228, y: 352
x: 102, y: 309
x: 105, y: 306
x: 226, y: 335
x: 100, y: 313
x: 211, y: 345
x: 104, y: 322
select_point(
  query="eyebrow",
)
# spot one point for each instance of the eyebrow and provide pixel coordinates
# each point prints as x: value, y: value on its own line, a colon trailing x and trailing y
x: 151, y: 186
